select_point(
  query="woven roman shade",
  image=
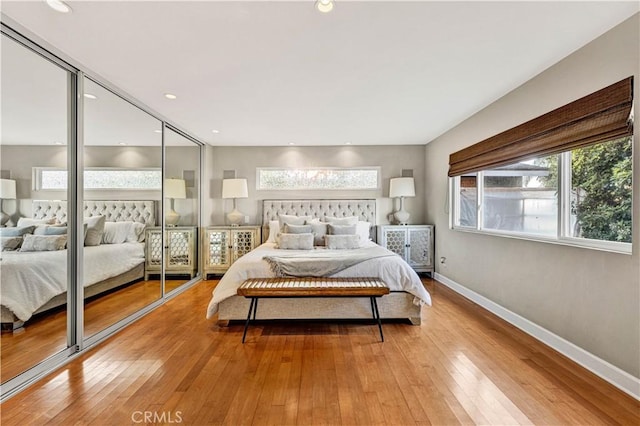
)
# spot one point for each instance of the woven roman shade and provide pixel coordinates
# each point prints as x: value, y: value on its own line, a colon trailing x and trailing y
x: 598, y: 117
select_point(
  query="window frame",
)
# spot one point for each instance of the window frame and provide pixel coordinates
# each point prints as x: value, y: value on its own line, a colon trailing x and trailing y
x: 563, y: 236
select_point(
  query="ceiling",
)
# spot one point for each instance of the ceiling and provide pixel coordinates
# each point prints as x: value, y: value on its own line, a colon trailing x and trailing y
x: 275, y: 73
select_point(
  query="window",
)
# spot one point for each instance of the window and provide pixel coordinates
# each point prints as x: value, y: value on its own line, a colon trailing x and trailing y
x: 45, y: 178
x: 564, y: 176
x: 326, y: 178
x: 580, y: 197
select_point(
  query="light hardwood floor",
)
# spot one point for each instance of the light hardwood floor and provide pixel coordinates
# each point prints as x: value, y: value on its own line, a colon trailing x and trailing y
x: 462, y: 366
x: 46, y: 334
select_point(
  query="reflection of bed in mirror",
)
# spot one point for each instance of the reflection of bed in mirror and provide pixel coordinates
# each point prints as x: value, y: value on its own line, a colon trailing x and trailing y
x: 35, y: 281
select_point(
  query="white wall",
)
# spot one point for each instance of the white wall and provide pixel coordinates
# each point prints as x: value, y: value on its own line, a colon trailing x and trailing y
x: 590, y: 298
x: 245, y: 160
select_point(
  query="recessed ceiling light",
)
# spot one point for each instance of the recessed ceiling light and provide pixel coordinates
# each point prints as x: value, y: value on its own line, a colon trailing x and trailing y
x: 170, y: 96
x: 292, y: 143
x: 122, y: 143
x: 324, y: 6
x: 90, y: 96
x: 158, y: 131
x: 347, y: 143
x: 215, y: 131
x: 59, y: 143
x: 59, y: 6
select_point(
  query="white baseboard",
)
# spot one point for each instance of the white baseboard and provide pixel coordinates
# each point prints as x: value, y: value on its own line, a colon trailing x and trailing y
x: 612, y: 374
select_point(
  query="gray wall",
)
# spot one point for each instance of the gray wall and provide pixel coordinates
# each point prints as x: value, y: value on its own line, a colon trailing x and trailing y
x: 244, y: 161
x: 590, y: 298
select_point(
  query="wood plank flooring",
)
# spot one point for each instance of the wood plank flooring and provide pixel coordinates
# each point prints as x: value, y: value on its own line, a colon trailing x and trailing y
x: 462, y: 366
x: 46, y: 334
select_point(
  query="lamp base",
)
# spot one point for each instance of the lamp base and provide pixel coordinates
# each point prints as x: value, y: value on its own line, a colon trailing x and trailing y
x: 171, y: 218
x: 402, y: 217
x: 235, y: 218
x: 4, y: 218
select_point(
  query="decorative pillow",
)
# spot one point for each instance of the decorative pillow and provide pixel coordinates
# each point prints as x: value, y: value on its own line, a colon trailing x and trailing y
x: 43, y: 242
x: 274, y: 230
x: 349, y: 220
x: 319, y: 230
x: 292, y: 220
x: 295, y: 241
x: 10, y: 243
x: 95, y: 229
x: 342, y: 242
x: 341, y: 229
x: 297, y: 229
x: 50, y: 230
x: 27, y: 221
x: 17, y: 231
x: 362, y: 229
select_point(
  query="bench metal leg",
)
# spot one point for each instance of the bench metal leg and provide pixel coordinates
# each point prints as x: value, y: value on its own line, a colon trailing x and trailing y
x: 252, y: 305
x: 255, y: 308
x: 376, y: 315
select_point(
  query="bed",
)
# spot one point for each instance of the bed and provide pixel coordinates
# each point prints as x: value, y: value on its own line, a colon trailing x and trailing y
x: 34, y: 282
x: 405, y: 301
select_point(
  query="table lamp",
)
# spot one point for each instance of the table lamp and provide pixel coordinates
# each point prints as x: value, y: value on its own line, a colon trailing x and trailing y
x: 173, y: 188
x: 400, y: 188
x: 235, y: 188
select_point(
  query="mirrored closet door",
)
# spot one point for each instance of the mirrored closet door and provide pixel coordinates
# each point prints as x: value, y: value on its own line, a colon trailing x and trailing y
x: 182, y: 209
x: 122, y: 204
x: 34, y: 160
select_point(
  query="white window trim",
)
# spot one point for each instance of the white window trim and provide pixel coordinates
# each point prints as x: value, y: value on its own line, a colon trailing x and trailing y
x: 377, y: 169
x: 564, y: 216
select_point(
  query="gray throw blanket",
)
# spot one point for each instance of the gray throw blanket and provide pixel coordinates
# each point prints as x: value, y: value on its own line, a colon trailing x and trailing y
x: 322, y: 263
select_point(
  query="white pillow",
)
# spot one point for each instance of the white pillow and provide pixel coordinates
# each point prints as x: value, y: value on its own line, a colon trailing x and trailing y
x: 349, y: 220
x: 27, y: 221
x: 122, y: 232
x: 292, y: 219
x: 116, y: 232
x: 274, y: 230
x: 136, y: 234
x: 362, y: 229
x: 95, y: 229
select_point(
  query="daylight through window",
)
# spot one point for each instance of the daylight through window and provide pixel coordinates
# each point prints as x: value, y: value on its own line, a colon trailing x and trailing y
x: 364, y: 178
x: 100, y: 179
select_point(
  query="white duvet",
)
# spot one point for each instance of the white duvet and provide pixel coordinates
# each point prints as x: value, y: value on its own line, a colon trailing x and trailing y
x: 393, y: 270
x: 28, y: 280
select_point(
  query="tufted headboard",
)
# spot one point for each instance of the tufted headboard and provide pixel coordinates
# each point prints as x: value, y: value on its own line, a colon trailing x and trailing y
x: 364, y: 209
x: 114, y: 211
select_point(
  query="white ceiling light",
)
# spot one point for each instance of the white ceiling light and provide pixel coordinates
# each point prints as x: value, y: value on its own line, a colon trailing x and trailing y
x: 292, y: 143
x: 158, y: 131
x: 215, y: 131
x: 59, y: 6
x: 170, y: 96
x: 90, y: 96
x: 324, y: 6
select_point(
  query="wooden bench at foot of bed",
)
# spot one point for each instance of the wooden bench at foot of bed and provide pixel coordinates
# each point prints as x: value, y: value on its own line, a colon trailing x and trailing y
x: 285, y: 287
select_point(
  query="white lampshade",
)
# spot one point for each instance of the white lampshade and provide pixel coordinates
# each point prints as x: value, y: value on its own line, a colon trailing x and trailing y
x: 235, y: 188
x: 402, y: 187
x: 7, y: 189
x: 175, y: 188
